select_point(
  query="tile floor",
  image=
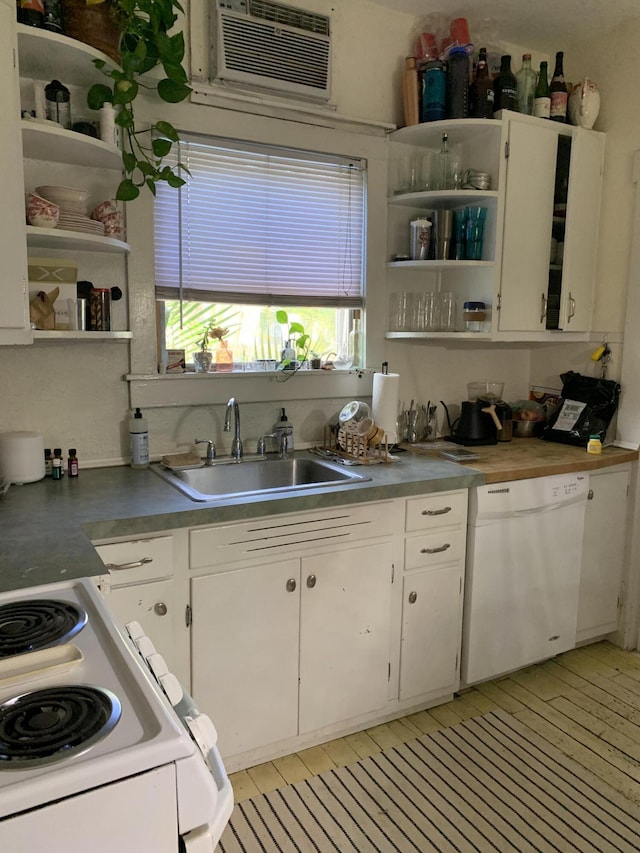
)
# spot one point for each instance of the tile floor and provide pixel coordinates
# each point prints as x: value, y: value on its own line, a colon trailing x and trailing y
x: 586, y: 702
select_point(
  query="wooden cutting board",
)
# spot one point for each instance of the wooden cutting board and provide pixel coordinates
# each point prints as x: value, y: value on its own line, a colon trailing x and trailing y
x: 532, y: 457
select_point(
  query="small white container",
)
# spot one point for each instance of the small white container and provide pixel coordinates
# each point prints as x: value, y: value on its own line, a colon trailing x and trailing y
x: 22, y: 456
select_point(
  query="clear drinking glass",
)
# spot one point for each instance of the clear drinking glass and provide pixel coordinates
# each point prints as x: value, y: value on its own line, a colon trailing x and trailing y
x: 447, y: 311
x: 432, y: 312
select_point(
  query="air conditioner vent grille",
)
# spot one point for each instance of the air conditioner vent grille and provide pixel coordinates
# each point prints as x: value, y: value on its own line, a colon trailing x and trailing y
x: 278, y: 54
x: 287, y: 16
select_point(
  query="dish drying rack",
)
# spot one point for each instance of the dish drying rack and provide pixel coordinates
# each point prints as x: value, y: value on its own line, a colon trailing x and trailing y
x: 348, y: 444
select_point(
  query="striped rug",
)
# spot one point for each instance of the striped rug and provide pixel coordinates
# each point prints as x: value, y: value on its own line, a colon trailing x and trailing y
x: 488, y: 784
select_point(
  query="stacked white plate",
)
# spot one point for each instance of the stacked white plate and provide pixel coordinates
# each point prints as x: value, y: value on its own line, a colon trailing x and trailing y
x: 73, y: 209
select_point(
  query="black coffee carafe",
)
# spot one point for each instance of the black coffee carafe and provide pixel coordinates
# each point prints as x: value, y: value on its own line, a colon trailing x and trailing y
x: 476, y: 424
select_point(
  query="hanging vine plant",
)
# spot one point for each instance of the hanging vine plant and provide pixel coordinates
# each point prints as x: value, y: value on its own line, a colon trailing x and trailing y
x: 145, y: 44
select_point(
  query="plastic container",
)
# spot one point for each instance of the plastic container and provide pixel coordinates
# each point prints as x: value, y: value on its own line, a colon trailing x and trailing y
x: 434, y: 91
x: 458, y: 83
x: 474, y: 315
x: 594, y: 444
x: 139, y: 441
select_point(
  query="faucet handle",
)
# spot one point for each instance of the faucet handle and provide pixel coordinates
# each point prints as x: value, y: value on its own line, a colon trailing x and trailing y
x: 262, y: 448
x: 211, y: 448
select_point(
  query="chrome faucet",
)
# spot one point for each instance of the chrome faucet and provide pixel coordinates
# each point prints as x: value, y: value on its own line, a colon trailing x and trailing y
x: 211, y: 449
x: 282, y: 435
x: 236, y: 444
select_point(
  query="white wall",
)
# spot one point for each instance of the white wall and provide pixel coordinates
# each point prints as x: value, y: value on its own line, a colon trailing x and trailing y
x: 75, y: 393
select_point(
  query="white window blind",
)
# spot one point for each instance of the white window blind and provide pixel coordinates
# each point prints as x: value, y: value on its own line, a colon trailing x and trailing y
x: 262, y: 225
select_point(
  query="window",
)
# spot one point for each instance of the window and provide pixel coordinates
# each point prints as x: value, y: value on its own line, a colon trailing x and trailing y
x: 257, y: 228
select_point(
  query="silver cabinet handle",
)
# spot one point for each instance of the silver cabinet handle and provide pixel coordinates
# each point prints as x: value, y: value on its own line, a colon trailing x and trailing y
x: 572, y: 308
x: 413, y: 597
x: 543, y: 307
x: 311, y: 581
x: 291, y: 585
x: 118, y: 567
x: 443, y: 511
x: 160, y: 608
x: 436, y: 550
x: 590, y: 495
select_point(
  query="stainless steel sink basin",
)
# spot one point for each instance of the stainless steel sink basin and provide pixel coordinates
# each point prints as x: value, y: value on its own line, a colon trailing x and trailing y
x: 257, y: 477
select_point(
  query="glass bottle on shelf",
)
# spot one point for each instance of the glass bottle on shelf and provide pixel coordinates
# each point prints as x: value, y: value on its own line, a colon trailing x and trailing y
x: 505, y: 87
x: 355, y: 341
x: 446, y: 173
x: 542, y: 99
x: 481, y: 90
x: 558, y: 90
x: 526, y: 80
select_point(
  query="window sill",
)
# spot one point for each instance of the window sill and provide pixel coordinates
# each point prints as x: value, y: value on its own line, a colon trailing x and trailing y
x: 204, y: 389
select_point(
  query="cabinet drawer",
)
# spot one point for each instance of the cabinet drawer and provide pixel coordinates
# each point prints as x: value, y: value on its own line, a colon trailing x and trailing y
x: 288, y: 534
x: 441, y: 509
x: 430, y: 549
x: 138, y: 561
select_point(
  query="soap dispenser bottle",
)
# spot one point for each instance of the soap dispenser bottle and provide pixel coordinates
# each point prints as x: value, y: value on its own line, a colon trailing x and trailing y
x: 283, y: 423
x: 139, y: 441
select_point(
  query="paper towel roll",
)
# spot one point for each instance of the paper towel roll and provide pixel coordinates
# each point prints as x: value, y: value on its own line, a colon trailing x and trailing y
x: 384, y: 405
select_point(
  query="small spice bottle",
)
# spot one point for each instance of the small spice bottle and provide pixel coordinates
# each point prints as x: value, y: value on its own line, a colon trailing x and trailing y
x: 56, y: 466
x: 594, y: 444
x: 47, y: 462
x: 72, y: 463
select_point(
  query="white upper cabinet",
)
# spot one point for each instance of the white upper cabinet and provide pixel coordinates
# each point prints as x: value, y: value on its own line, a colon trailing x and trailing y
x: 536, y: 272
x: 14, y: 317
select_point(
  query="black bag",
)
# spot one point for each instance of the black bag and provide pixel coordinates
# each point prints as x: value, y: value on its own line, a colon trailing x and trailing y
x: 586, y: 408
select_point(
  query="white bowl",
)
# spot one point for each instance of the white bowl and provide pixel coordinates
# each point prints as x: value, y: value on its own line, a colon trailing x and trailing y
x: 63, y: 194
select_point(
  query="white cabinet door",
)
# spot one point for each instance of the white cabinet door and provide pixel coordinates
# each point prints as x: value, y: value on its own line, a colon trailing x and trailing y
x: 14, y: 317
x: 603, y: 553
x: 431, y: 626
x: 580, y: 239
x: 531, y: 168
x: 244, y: 647
x: 345, y: 626
x: 153, y: 606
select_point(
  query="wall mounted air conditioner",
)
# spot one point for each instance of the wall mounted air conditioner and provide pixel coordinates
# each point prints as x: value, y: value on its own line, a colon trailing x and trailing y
x: 271, y: 46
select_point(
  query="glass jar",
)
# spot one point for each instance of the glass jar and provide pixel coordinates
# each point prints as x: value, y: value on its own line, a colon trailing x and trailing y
x: 474, y: 315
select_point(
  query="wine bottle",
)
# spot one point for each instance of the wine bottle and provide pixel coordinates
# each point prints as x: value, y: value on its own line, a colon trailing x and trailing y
x: 526, y: 79
x: 505, y: 87
x: 542, y: 99
x: 481, y: 90
x: 558, y: 90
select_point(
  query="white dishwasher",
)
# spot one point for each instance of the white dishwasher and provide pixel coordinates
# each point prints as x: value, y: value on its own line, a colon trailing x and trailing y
x: 523, y: 572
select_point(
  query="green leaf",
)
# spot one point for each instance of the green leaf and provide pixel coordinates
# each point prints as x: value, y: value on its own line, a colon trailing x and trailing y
x: 161, y: 147
x: 151, y: 184
x: 127, y: 190
x: 167, y: 130
x: 99, y: 64
x: 129, y: 161
x: 175, y: 72
x: 172, y: 92
x: 302, y: 342
x: 146, y: 168
x: 175, y: 181
x: 124, y: 118
x: 124, y: 91
x: 282, y: 317
x: 296, y: 328
x: 98, y: 95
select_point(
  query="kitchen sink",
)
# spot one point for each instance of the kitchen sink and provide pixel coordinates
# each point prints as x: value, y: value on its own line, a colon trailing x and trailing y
x: 232, y: 479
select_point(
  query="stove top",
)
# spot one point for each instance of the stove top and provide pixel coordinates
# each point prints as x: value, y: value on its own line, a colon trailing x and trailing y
x: 37, y: 624
x: 49, y: 725
x: 81, y: 713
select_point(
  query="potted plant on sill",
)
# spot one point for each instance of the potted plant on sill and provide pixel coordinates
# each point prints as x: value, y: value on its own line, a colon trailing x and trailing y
x: 203, y: 359
x: 146, y: 43
x: 299, y: 342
